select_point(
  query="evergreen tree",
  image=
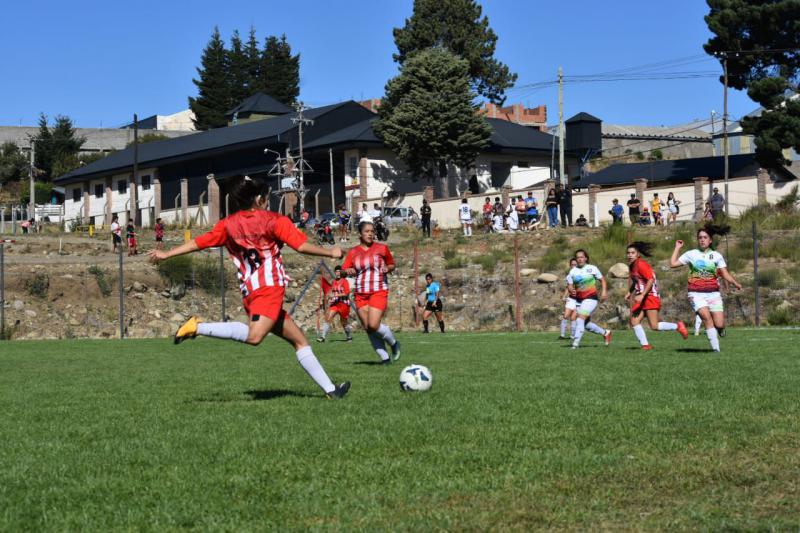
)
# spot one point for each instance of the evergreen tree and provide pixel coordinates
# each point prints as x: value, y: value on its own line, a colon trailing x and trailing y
x: 213, y: 98
x: 280, y: 70
x: 253, y: 54
x: 13, y: 163
x: 57, y: 148
x: 762, y: 41
x: 428, y: 117
x: 43, y: 154
x: 238, y: 71
x: 457, y: 25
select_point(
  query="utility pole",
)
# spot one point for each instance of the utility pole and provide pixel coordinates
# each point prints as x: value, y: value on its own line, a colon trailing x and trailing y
x: 300, y: 120
x: 333, y: 194
x: 561, y: 132
x: 31, y: 172
x: 134, y: 193
x: 725, y: 130
x: 713, y: 132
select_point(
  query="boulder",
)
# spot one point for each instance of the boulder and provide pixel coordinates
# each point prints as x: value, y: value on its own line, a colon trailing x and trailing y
x: 177, y: 318
x: 139, y: 287
x: 547, y: 277
x: 177, y: 291
x: 18, y: 305
x: 620, y: 270
x: 785, y: 305
x: 527, y: 271
x: 30, y: 313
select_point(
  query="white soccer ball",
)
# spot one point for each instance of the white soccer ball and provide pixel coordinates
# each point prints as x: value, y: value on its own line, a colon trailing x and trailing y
x: 416, y: 378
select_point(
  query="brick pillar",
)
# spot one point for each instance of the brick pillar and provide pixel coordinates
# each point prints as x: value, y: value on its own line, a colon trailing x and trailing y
x: 641, y: 189
x: 156, y: 197
x: 592, y: 205
x: 134, y: 201
x: 184, y: 200
x: 87, y: 202
x: 763, y: 179
x: 109, y: 210
x: 213, y: 200
x: 505, y: 194
x: 427, y: 193
x: 363, y: 168
x: 699, y: 197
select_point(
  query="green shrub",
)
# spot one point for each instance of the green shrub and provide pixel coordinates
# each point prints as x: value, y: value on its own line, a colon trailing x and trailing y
x: 176, y: 269
x: 781, y: 316
x: 37, y: 285
x: 771, y: 279
x: 789, y: 202
x: 449, y: 253
x: 207, y: 274
x: 103, y: 283
x: 455, y: 262
x: 487, y: 262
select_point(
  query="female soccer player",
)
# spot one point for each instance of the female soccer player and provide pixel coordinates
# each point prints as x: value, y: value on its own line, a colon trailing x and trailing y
x: 704, y: 266
x: 433, y: 303
x: 344, y: 223
x: 338, y: 304
x: 254, y: 237
x: 582, y: 284
x: 570, y: 307
x: 465, y: 216
x: 644, y: 297
x: 370, y: 261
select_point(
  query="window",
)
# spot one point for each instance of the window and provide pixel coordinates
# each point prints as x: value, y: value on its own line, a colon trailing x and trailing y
x: 353, y: 167
x: 145, y: 183
x: 76, y: 195
x: 523, y: 164
x: 98, y: 190
x: 122, y: 186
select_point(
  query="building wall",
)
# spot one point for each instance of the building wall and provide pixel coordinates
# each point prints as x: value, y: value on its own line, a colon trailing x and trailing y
x: 97, y: 139
x: 615, y: 147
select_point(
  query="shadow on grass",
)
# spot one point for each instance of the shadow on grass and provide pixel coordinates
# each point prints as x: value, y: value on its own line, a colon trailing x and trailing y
x: 277, y: 393
x: 694, y: 350
x: 369, y: 363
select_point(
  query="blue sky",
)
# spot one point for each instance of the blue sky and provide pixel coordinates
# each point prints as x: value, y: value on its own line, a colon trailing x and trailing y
x: 99, y: 62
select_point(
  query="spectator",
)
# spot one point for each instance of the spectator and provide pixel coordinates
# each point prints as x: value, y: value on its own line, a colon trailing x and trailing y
x: 25, y: 225
x: 304, y: 216
x: 644, y: 218
x: 465, y: 216
x: 531, y: 210
x: 564, y: 198
x: 708, y: 213
x: 655, y: 209
x: 522, y: 218
x: 582, y: 221
x: 634, y: 207
x: 488, y: 211
x: 344, y: 223
x: 498, y: 206
x: 616, y: 211
x: 159, y: 231
x: 375, y: 212
x: 363, y: 214
x: 497, y: 223
x: 130, y: 234
x: 672, y: 208
x: 425, y: 217
x: 116, y: 232
x: 552, y: 208
x: 717, y: 204
x: 513, y: 219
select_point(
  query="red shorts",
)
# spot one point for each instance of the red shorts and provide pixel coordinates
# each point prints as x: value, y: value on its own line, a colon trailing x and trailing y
x: 378, y: 300
x: 342, y: 309
x: 267, y: 301
x: 131, y: 242
x: 650, y: 303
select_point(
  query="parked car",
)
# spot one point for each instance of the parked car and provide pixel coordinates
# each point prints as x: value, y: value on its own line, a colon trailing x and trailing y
x: 331, y: 218
x: 393, y: 215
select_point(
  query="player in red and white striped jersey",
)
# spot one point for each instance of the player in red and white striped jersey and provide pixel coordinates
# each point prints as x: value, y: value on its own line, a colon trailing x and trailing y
x: 370, y: 262
x: 338, y: 293
x: 254, y: 238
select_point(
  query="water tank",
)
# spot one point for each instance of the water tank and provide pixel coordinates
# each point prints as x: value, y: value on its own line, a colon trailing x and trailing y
x: 583, y: 133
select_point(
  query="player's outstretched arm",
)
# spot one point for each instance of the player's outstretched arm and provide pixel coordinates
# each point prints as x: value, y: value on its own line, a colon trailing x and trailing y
x: 727, y: 276
x: 673, y: 262
x: 156, y: 256
x: 312, y: 249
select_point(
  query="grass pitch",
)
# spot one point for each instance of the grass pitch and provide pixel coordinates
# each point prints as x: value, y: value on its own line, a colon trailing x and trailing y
x: 518, y: 432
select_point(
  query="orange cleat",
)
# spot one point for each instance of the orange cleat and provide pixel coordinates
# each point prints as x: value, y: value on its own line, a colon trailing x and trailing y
x: 682, y: 330
x: 607, y: 337
x: 647, y: 347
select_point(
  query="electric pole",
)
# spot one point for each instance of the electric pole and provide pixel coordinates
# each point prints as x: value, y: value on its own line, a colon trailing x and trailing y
x: 725, y: 128
x: 31, y: 172
x: 134, y: 193
x: 713, y: 133
x: 561, y: 133
x: 300, y: 120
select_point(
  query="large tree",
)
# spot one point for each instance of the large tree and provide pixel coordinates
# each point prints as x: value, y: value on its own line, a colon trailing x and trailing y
x: 429, y: 118
x: 13, y: 163
x: 280, y: 70
x: 238, y: 71
x: 214, y: 97
x: 253, y: 55
x: 761, y: 41
x: 57, y: 148
x: 458, y: 26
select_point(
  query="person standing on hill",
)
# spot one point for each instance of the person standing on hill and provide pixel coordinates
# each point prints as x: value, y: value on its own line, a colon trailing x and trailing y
x: 634, y: 209
x: 116, y: 232
x: 564, y: 198
x: 552, y: 208
x: 717, y: 202
x: 425, y: 217
x: 159, y: 232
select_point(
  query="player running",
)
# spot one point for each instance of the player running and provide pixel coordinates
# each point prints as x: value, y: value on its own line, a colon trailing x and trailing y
x: 465, y: 216
x: 582, y: 285
x: 644, y: 297
x: 570, y: 308
x: 254, y: 237
x: 433, y: 303
x: 370, y: 261
x: 705, y: 264
x: 338, y: 304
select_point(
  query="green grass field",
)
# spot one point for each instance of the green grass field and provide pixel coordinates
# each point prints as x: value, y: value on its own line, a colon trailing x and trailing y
x: 518, y: 432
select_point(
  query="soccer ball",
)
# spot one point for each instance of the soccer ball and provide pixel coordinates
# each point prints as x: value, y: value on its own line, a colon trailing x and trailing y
x: 416, y: 378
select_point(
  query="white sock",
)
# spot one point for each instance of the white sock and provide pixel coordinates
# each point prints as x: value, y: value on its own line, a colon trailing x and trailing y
x: 713, y: 338
x: 573, y: 324
x: 579, y: 329
x: 465, y: 231
x: 326, y: 328
x: 469, y: 231
x: 667, y: 326
x: 698, y: 322
x: 387, y: 334
x: 380, y: 348
x: 564, y: 323
x: 224, y: 330
x: 309, y: 362
x: 639, y: 331
x: 594, y: 328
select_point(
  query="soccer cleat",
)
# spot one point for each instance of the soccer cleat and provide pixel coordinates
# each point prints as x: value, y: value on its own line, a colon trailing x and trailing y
x: 386, y: 361
x: 682, y: 330
x: 607, y: 337
x: 721, y: 332
x: 562, y: 338
x: 320, y: 339
x: 349, y: 339
x: 647, y: 347
x: 187, y: 331
x: 339, y: 392
x: 396, y: 350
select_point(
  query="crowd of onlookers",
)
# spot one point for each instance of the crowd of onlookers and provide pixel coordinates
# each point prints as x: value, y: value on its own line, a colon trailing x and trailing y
x: 660, y: 212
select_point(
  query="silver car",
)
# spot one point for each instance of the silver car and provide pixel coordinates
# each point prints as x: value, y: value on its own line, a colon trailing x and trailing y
x: 399, y: 215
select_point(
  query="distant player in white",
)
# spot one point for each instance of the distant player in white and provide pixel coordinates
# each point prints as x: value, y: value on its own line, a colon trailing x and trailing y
x: 465, y: 215
x: 705, y: 265
x: 570, y: 308
x: 582, y: 285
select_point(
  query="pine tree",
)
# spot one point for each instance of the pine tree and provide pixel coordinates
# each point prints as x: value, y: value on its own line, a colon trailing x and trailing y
x: 457, y: 25
x: 44, y: 153
x: 428, y: 117
x: 238, y: 71
x: 280, y: 70
x: 57, y: 148
x: 213, y: 98
x: 13, y: 163
x: 762, y: 43
x: 253, y: 54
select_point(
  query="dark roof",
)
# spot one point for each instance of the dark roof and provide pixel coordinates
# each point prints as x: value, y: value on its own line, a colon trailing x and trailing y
x: 672, y: 170
x: 359, y: 133
x: 260, y: 103
x: 582, y: 117
x: 190, y: 146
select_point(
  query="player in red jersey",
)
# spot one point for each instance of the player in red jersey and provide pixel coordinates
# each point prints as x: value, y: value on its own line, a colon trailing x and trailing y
x: 338, y: 304
x: 254, y: 238
x: 644, y: 297
x: 370, y: 261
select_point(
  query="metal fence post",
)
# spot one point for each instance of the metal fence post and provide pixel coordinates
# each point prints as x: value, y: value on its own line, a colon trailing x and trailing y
x: 121, y: 297
x: 517, y: 291
x: 2, y: 291
x: 755, y: 277
x: 222, y: 281
x: 415, y: 302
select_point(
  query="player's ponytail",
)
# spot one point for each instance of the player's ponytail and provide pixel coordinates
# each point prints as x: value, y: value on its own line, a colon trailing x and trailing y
x: 245, y: 191
x: 642, y: 247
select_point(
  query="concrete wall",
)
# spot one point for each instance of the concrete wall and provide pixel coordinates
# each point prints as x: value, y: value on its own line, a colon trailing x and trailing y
x: 97, y: 139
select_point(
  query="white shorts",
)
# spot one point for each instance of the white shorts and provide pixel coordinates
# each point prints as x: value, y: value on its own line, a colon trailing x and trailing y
x: 712, y: 300
x: 587, y: 307
x: 466, y: 221
x: 571, y: 304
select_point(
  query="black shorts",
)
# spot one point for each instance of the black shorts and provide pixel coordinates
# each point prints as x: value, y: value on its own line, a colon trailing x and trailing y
x: 159, y: 239
x: 436, y: 306
x: 117, y: 238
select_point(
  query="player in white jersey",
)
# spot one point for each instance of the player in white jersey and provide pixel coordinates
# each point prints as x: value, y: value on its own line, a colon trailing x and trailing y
x: 570, y: 308
x: 465, y: 216
x: 582, y: 284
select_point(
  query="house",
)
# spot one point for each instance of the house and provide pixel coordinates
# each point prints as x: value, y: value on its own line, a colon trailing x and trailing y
x: 259, y: 106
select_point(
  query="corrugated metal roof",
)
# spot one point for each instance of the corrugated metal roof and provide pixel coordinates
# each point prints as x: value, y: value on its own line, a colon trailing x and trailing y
x: 681, y: 131
x: 260, y: 103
